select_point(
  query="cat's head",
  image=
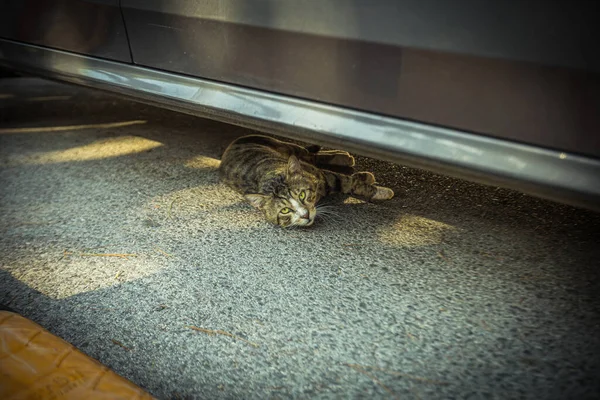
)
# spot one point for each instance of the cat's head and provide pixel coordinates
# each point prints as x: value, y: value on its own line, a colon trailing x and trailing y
x: 291, y: 199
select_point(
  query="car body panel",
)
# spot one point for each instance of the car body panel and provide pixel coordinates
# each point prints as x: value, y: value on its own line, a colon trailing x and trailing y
x: 88, y: 27
x: 510, y: 69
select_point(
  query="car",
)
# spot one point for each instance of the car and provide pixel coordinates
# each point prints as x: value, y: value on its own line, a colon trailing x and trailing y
x: 501, y: 92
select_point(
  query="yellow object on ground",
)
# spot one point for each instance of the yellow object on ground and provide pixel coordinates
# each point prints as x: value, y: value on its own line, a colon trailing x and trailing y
x: 35, y: 364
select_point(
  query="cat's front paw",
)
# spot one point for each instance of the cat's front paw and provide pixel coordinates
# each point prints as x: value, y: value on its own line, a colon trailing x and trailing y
x: 366, y: 178
x: 382, y: 194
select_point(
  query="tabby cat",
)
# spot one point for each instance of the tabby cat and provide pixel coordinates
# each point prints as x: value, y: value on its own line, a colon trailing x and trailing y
x: 286, y: 181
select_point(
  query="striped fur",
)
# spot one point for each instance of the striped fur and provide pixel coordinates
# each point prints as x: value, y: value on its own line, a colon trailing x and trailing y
x: 286, y: 181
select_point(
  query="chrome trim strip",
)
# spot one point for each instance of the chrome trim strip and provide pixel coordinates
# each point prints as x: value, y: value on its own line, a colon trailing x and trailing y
x: 542, y: 172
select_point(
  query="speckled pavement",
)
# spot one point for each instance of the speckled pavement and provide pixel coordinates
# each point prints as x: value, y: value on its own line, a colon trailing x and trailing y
x: 116, y: 235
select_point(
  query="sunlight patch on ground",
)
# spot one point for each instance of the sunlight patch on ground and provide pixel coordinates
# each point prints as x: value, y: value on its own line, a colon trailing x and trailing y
x: 208, y: 207
x: 203, y: 162
x: 65, y: 128
x: 412, y: 230
x: 59, y: 279
x: 190, y: 200
x: 353, y: 200
x: 101, y: 149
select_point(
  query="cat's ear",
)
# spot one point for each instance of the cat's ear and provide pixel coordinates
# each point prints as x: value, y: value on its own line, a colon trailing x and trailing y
x: 256, y: 200
x: 294, y: 165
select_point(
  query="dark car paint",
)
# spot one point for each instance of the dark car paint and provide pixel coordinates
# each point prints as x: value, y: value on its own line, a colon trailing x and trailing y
x: 517, y: 70
x: 94, y: 27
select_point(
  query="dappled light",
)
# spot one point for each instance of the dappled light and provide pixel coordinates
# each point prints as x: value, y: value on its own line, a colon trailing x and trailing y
x: 353, y: 200
x: 101, y: 149
x: 65, y: 128
x: 209, y: 207
x: 203, y: 162
x: 413, y: 231
x: 106, y: 268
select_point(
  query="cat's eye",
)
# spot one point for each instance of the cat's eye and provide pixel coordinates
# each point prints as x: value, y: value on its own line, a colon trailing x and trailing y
x: 286, y: 210
x: 302, y: 195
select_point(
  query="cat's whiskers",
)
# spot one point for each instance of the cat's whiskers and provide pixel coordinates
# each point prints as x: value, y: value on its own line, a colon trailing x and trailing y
x: 321, y: 216
x: 328, y: 212
x: 335, y: 215
x: 325, y: 209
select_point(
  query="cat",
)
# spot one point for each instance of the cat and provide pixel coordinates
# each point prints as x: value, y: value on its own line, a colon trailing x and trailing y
x: 286, y: 181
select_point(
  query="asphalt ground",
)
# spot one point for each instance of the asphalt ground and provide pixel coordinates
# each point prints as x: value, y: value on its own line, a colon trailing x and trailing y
x: 116, y: 235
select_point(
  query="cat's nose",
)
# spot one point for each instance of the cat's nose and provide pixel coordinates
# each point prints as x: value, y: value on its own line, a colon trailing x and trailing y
x: 304, y: 215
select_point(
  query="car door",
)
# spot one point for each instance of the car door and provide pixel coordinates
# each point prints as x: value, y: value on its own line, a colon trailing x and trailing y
x: 522, y: 71
x: 91, y: 27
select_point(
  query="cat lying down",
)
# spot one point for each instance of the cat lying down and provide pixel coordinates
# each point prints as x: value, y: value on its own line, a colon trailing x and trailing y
x: 286, y: 181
